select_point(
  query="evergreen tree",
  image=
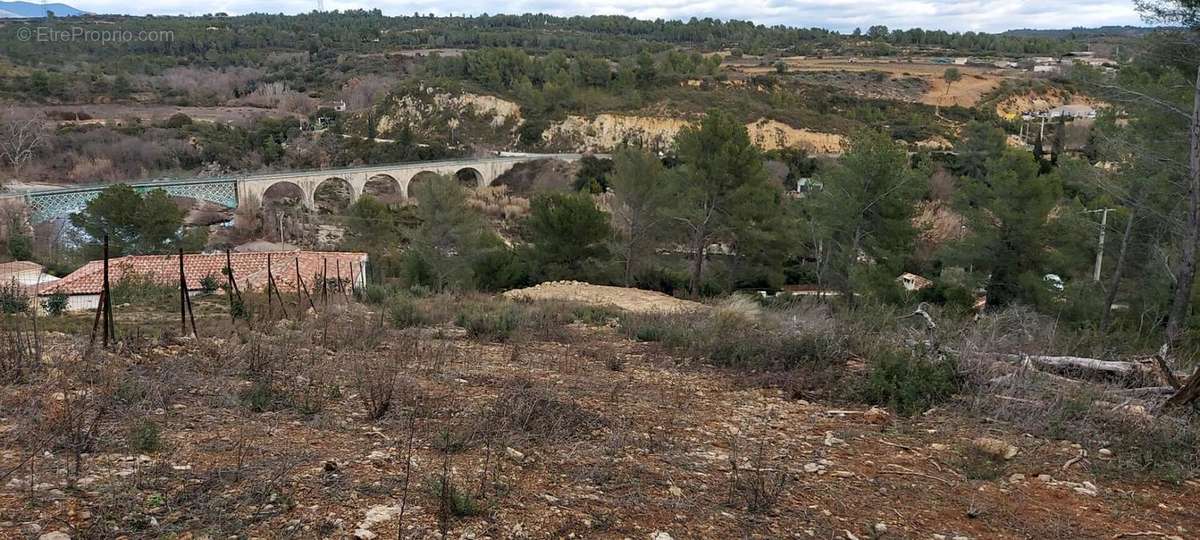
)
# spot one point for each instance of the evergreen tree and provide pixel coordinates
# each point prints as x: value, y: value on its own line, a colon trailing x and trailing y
x: 865, y: 209
x: 720, y: 179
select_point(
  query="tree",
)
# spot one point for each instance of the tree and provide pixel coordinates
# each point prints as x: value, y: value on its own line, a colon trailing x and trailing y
x: 980, y: 142
x: 21, y: 134
x: 1008, y: 214
x: 448, y: 236
x: 593, y: 174
x: 1182, y: 12
x: 568, y: 234
x: 720, y: 170
x: 865, y: 208
x: 640, y: 190
x: 950, y: 76
x: 1187, y: 13
x: 135, y: 223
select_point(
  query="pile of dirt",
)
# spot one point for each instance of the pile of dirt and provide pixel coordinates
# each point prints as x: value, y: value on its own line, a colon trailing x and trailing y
x: 628, y: 299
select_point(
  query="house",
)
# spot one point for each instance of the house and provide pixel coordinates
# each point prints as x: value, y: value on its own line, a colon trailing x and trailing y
x: 1071, y: 111
x: 24, y: 273
x: 27, y: 277
x: 251, y: 269
x: 1046, y: 69
x: 912, y: 282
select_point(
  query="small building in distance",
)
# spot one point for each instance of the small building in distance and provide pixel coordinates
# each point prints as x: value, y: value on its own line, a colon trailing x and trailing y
x: 28, y: 278
x: 24, y: 274
x: 83, y: 286
x: 912, y: 282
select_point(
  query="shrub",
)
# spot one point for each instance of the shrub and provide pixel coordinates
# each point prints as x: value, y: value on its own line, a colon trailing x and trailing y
x: 909, y: 384
x: 13, y: 299
x: 260, y: 397
x: 673, y: 331
x: 145, y: 437
x: 404, y: 312
x: 378, y: 377
x: 372, y: 293
x: 209, y: 284
x: 527, y: 411
x: 595, y: 314
x: 489, y: 323
x: 143, y: 290
x: 452, y: 500
x: 55, y: 304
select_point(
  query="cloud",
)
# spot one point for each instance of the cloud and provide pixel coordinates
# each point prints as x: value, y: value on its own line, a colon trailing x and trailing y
x: 842, y: 15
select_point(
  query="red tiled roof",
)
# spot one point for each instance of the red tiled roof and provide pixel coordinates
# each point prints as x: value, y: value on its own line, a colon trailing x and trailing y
x: 250, y: 269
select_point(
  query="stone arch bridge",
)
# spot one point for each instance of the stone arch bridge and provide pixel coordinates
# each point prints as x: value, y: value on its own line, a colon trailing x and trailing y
x: 398, y: 178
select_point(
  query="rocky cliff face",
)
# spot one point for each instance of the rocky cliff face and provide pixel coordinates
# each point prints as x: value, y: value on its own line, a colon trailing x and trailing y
x: 606, y: 132
x: 450, y: 116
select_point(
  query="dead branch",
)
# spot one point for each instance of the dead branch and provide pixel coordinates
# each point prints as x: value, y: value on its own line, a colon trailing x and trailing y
x: 1074, y: 460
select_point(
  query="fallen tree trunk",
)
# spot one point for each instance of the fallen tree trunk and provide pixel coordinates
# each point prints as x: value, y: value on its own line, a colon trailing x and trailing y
x: 1088, y: 366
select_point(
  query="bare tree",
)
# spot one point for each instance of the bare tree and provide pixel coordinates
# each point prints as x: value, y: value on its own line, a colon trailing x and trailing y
x: 21, y: 134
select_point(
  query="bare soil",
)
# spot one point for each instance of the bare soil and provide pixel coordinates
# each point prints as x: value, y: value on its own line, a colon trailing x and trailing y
x: 668, y: 447
x: 976, y: 81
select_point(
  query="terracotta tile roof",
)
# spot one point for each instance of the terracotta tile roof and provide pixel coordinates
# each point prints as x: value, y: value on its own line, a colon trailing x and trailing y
x: 250, y: 269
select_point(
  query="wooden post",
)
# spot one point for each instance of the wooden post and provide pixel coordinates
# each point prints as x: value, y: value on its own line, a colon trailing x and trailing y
x: 270, y: 282
x: 110, y: 329
x: 273, y: 286
x: 185, y: 302
x: 325, y: 281
x: 96, y: 321
x: 232, y: 287
x: 299, y: 299
x: 182, y: 297
x: 341, y: 289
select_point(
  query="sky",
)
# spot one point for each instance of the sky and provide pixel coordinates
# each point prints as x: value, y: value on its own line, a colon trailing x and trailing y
x: 841, y: 15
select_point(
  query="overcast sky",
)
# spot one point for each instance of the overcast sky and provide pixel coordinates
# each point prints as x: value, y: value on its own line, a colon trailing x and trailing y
x: 843, y: 15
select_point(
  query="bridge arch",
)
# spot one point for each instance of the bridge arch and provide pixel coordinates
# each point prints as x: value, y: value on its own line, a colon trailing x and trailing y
x: 469, y: 177
x: 423, y: 176
x: 384, y: 188
x: 284, y: 193
x: 333, y: 195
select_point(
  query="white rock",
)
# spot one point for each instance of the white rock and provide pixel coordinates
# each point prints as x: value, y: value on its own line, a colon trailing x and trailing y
x: 811, y: 467
x: 1104, y: 452
x: 881, y: 528
x: 363, y: 534
x: 56, y: 535
x: 514, y: 454
x: 378, y: 514
x: 659, y: 535
x: 676, y: 491
x: 1045, y: 478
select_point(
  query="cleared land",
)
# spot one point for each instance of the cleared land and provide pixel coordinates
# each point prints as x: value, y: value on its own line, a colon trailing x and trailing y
x: 976, y: 81
x: 570, y: 429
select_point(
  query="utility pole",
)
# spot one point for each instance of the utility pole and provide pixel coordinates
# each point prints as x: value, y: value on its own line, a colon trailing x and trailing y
x: 1100, y: 246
